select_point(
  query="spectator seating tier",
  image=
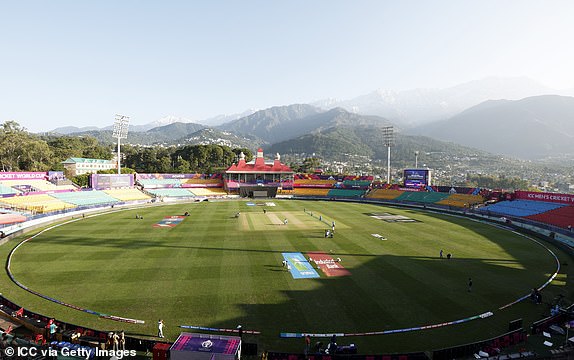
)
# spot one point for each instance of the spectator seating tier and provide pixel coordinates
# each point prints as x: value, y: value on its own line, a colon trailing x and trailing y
x: 310, y: 192
x: 461, y: 200
x: 38, y: 185
x: 384, y: 194
x: 7, y: 190
x: 207, y: 191
x: 422, y: 197
x: 127, y: 194
x: 86, y: 198
x: 345, y: 193
x: 41, y: 203
x: 172, y: 192
x: 521, y: 208
x: 562, y: 216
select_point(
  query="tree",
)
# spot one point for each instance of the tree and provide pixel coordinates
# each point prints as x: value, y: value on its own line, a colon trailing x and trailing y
x: 311, y: 164
x: 21, y: 151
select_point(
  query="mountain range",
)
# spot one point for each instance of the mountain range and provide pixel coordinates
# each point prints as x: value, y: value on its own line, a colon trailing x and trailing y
x: 534, y: 127
x: 531, y: 128
x: 417, y: 106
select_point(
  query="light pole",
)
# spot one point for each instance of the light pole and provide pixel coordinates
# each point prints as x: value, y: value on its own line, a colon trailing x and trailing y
x: 416, y: 159
x: 121, y: 126
x: 389, y: 140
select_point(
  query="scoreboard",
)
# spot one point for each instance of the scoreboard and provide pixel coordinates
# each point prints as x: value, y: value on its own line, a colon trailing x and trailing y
x: 416, y: 178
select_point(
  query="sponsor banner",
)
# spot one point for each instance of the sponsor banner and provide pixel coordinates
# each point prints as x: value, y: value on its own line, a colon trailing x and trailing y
x: 217, y: 185
x: 543, y: 196
x: 170, y: 221
x: 300, y: 267
x: 329, y: 266
x: 386, y: 332
x: 168, y: 176
x: 205, y: 328
x: 326, y: 186
x: 111, y: 181
x: 197, y: 343
x: 22, y: 175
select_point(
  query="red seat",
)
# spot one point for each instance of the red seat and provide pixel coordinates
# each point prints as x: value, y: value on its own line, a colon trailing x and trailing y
x: 39, y: 339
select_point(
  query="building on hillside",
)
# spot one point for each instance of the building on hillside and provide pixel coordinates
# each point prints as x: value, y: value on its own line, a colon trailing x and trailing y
x: 258, y: 178
x: 78, y: 166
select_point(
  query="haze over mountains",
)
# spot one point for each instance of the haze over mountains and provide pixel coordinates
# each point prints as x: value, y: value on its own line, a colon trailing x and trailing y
x: 417, y: 106
x: 471, y: 115
x: 530, y: 128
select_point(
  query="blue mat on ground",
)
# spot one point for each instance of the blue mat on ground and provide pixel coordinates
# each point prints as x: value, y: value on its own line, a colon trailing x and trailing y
x: 300, y: 267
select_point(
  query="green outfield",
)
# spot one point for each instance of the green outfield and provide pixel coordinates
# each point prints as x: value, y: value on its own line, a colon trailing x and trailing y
x: 218, y: 268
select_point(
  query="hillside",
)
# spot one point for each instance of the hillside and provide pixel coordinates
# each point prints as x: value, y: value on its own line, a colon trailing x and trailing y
x: 209, y: 136
x: 287, y: 122
x: 337, y: 142
x: 265, y: 123
x: 531, y: 128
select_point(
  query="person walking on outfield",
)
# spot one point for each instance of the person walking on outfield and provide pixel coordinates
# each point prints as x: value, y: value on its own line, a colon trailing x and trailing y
x: 441, y: 253
x: 160, y: 326
x: 469, y: 284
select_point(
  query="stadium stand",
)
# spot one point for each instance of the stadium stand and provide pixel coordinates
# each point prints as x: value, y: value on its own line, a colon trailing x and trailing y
x: 461, y: 200
x: 314, y: 183
x: 384, y: 194
x: 562, y: 216
x: 127, y: 194
x: 423, y: 197
x: 356, y: 184
x: 218, y: 182
x: 207, y: 191
x: 40, y: 203
x: 7, y: 190
x: 86, y: 198
x: 38, y: 185
x: 521, y: 208
x: 345, y: 193
x: 160, y: 183
x: 310, y: 192
x: 171, y: 192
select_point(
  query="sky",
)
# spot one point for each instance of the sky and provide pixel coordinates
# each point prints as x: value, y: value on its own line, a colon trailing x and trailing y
x: 78, y: 63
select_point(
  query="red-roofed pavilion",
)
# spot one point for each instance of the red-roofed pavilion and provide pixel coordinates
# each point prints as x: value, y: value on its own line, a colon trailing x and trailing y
x: 258, y: 174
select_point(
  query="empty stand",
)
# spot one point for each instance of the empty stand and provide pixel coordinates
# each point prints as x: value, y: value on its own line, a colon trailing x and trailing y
x: 384, y: 194
x: 461, y: 200
x: 310, y: 192
x: 127, y: 194
x: 172, y: 192
x: 202, y: 182
x: 160, y: 183
x: 314, y: 183
x: 422, y: 197
x: 207, y: 191
x: 38, y: 185
x: 521, y: 208
x: 7, y: 190
x: 38, y: 203
x: 345, y: 193
x: 86, y: 198
x: 562, y: 216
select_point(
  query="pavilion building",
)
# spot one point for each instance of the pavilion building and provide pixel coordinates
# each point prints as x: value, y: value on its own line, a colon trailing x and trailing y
x: 258, y: 178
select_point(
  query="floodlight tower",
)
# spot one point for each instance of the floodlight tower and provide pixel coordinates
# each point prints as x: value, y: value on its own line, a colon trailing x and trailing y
x: 416, y: 159
x: 389, y: 141
x: 121, y: 126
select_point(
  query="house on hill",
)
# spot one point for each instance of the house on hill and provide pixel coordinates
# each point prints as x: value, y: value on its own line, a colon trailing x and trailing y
x: 78, y: 166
